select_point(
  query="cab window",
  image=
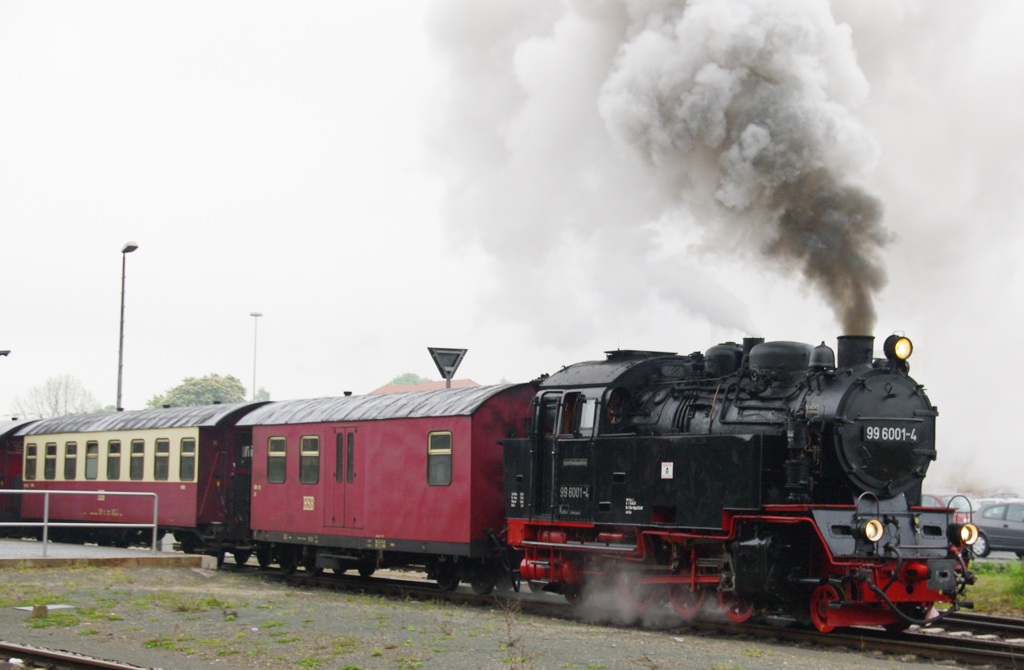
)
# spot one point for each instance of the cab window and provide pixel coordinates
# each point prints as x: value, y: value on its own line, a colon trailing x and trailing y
x: 548, y: 413
x: 578, y: 415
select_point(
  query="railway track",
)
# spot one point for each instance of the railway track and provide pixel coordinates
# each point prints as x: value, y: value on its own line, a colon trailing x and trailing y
x: 28, y: 656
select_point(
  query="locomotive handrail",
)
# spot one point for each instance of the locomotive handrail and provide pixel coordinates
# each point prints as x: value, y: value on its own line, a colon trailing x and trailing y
x: 46, y: 524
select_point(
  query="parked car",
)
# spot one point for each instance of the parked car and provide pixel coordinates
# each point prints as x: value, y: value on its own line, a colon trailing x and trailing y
x: 1001, y: 528
x: 963, y: 506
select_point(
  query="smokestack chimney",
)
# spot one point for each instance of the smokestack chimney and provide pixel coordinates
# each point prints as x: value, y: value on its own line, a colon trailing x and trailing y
x: 855, y: 350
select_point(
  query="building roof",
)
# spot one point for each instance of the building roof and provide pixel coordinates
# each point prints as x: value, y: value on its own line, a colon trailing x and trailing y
x: 424, y: 386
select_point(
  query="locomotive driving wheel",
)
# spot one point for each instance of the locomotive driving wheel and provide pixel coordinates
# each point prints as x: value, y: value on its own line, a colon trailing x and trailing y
x: 686, y: 602
x: 821, y: 605
x: 735, y: 608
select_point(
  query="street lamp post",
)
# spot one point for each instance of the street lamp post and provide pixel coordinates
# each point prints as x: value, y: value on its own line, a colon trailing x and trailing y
x: 125, y: 250
x: 255, y: 329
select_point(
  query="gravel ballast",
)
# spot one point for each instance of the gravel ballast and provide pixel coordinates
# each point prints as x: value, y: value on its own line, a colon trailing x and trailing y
x: 189, y: 618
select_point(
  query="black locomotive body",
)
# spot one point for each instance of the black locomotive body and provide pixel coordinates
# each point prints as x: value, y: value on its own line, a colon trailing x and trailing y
x: 765, y: 475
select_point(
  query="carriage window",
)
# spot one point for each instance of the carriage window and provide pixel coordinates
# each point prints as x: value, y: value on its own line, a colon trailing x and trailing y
x: 276, y: 459
x: 162, y: 461
x: 351, y: 471
x: 114, y: 460
x: 92, y: 459
x: 339, y: 457
x: 187, y: 464
x: 70, y: 460
x: 309, y: 459
x: 439, y: 459
x: 50, y: 461
x: 137, y: 461
x: 30, y: 461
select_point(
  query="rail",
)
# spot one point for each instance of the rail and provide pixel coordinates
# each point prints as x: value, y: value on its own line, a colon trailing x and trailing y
x: 46, y: 524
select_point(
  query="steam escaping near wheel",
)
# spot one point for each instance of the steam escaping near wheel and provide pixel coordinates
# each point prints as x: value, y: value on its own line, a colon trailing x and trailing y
x: 614, y: 126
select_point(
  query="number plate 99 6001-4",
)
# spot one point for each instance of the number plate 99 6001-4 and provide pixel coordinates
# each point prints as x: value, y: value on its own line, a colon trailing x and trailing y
x: 890, y: 434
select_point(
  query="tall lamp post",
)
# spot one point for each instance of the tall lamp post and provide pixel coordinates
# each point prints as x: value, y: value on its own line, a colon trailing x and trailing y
x: 255, y: 330
x: 125, y: 250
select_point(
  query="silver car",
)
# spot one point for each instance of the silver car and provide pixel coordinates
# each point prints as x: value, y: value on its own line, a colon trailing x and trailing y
x: 1001, y: 528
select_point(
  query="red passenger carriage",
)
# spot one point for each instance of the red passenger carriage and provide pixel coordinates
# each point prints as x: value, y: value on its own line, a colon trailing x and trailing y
x: 403, y: 479
x: 194, y: 458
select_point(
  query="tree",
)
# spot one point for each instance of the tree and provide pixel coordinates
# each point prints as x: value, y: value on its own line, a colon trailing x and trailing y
x: 56, y: 396
x: 202, y: 391
x: 409, y: 379
x: 263, y: 395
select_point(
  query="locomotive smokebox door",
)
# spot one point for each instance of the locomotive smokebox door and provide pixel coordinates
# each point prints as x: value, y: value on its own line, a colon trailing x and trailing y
x: 886, y: 440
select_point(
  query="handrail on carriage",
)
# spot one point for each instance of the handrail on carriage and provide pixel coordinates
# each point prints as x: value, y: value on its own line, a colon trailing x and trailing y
x: 46, y: 524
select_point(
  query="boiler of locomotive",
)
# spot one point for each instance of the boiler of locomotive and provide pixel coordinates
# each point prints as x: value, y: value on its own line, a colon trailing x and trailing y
x: 851, y: 425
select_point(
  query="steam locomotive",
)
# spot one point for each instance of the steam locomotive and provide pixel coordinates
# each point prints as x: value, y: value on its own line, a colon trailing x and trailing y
x: 762, y: 475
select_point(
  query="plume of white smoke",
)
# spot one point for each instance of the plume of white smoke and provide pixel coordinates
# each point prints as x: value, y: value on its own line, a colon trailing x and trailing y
x: 582, y: 138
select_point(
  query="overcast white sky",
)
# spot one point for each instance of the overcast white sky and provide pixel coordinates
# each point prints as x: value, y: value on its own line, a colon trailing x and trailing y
x: 377, y: 178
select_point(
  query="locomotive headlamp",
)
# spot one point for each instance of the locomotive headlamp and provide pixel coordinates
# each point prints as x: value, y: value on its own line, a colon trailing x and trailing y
x: 966, y: 533
x: 871, y: 529
x: 898, y: 347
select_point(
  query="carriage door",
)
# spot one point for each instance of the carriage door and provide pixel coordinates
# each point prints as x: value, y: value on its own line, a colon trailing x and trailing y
x: 241, y: 478
x: 344, y: 507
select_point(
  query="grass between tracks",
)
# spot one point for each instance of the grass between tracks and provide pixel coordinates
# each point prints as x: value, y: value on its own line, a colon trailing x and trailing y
x: 1000, y: 588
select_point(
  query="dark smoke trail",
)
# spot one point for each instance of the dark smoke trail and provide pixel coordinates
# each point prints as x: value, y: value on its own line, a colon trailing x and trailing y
x: 741, y: 93
x: 832, y: 232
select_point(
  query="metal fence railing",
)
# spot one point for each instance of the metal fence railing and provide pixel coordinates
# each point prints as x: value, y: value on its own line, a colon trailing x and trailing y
x: 46, y: 524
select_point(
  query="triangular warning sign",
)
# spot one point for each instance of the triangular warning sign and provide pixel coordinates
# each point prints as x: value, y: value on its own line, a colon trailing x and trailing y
x: 446, y: 360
